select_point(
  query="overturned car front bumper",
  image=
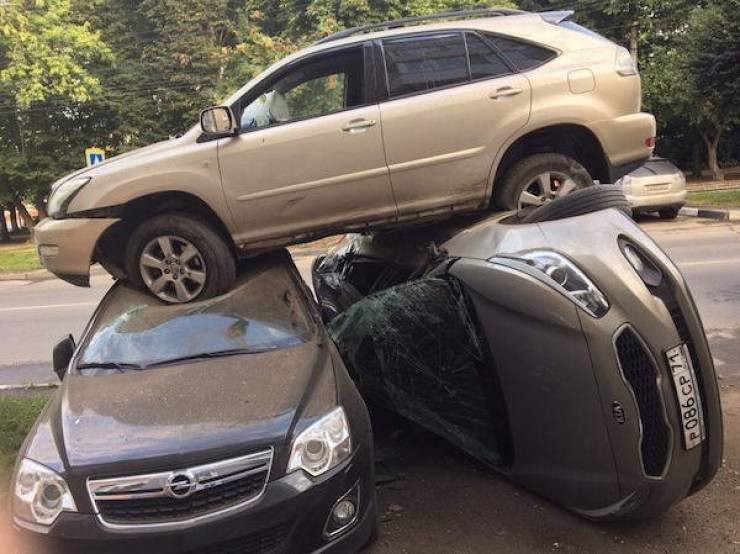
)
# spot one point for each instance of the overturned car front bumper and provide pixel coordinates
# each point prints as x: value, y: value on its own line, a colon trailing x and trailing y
x: 65, y: 246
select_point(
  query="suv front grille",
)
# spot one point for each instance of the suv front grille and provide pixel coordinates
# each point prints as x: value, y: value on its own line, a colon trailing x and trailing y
x: 181, y: 495
x: 641, y: 374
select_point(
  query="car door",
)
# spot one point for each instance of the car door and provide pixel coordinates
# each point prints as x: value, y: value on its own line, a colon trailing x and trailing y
x: 309, y: 153
x: 452, y: 104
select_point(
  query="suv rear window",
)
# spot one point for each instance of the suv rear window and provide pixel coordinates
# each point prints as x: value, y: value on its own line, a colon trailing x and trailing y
x: 522, y: 54
x: 484, y: 62
x: 422, y: 63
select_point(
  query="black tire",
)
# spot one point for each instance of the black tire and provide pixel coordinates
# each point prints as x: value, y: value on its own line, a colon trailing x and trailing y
x: 523, y: 173
x: 218, y: 259
x: 668, y: 213
x: 580, y: 202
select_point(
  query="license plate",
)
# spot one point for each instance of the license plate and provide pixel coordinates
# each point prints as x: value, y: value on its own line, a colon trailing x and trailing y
x: 689, y: 401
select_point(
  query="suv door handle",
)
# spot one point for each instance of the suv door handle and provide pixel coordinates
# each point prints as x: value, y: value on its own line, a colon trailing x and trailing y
x: 358, y: 125
x: 505, y: 91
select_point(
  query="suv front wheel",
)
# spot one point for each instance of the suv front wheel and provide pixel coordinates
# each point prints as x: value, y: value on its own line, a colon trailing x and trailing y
x: 179, y: 258
x: 538, y: 179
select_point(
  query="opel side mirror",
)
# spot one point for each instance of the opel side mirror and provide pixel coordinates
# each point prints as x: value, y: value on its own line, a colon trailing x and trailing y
x: 62, y: 355
x: 218, y: 121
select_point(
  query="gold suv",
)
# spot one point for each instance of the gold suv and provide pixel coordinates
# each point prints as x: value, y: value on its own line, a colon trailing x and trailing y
x: 374, y: 126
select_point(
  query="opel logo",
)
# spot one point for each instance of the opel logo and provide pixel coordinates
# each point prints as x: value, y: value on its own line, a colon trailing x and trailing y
x: 179, y: 485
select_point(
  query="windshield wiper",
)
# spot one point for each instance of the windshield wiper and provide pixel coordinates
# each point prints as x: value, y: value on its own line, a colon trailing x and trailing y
x: 110, y: 365
x: 206, y: 355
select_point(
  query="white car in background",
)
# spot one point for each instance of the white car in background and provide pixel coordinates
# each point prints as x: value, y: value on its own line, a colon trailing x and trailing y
x: 657, y: 186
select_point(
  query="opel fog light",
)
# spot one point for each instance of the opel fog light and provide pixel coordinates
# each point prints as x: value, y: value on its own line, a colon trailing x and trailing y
x: 62, y: 195
x: 322, y: 445
x: 648, y: 272
x: 40, y: 494
x: 565, y: 276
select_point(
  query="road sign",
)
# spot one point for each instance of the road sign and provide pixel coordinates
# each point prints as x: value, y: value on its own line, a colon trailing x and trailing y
x: 94, y: 155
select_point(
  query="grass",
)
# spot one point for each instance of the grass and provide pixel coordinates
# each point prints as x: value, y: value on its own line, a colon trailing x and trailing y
x: 17, y: 258
x: 718, y: 198
x: 17, y: 414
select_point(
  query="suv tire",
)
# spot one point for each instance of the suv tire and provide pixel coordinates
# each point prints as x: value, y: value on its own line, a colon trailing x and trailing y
x: 668, y: 213
x: 179, y: 258
x: 537, y: 179
x: 581, y: 202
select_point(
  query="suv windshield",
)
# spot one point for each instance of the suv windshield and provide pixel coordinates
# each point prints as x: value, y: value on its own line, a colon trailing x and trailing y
x: 134, y: 330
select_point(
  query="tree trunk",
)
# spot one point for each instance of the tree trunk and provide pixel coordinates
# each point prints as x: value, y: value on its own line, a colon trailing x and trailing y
x: 13, y: 218
x: 41, y: 209
x: 4, y: 234
x: 712, y: 145
x: 27, y: 219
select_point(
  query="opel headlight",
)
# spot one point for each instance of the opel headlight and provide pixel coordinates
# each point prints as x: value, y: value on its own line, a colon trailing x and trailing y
x: 565, y: 276
x: 40, y: 494
x: 63, y: 195
x: 322, y: 445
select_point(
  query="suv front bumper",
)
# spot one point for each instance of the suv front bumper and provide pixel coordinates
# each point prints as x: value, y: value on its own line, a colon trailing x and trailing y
x: 65, y: 246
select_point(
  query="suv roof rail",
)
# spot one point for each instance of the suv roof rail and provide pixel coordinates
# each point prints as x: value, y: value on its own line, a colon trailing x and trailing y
x: 397, y: 23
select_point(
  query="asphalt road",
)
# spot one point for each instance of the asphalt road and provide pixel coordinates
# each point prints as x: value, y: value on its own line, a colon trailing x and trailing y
x: 35, y: 314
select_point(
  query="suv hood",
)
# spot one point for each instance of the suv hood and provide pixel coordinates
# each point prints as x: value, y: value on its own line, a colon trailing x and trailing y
x: 127, y: 157
x: 183, y: 413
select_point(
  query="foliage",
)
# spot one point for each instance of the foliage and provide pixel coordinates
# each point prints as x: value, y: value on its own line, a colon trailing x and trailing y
x: 15, y: 259
x: 17, y: 416
x: 718, y: 198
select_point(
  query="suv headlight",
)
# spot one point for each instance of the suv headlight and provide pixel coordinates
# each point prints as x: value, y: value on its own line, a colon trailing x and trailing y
x: 40, y: 494
x: 322, y: 445
x: 62, y: 195
x: 566, y: 277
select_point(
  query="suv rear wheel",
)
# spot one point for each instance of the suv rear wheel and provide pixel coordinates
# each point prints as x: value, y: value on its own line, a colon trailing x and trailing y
x: 179, y: 258
x: 538, y: 179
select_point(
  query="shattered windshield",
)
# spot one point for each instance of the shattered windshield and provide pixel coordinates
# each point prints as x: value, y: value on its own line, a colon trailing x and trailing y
x: 134, y: 330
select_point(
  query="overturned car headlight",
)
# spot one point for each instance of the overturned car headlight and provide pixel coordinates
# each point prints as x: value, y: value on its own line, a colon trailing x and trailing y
x: 322, y: 445
x: 566, y: 277
x: 40, y: 494
x: 62, y: 195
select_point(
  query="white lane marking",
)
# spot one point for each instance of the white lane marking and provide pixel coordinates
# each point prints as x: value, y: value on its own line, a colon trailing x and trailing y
x: 710, y: 262
x: 47, y: 306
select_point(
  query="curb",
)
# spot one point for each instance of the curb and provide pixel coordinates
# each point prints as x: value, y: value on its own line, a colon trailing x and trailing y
x: 708, y: 213
x: 29, y: 387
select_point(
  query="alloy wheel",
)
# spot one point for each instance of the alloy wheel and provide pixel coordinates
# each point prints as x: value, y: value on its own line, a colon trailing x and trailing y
x: 173, y: 269
x: 546, y: 187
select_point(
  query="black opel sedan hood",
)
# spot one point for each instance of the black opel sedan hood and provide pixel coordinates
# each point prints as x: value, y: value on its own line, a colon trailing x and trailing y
x: 183, y: 411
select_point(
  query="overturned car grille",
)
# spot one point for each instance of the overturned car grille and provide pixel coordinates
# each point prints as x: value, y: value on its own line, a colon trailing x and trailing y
x: 641, y: 374
x: 175, y: 497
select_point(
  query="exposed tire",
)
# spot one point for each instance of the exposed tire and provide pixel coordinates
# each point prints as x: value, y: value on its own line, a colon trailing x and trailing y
x: 668, y: 213
x: 538, y: 179
x: 179, y: 258
x: 580, y: 202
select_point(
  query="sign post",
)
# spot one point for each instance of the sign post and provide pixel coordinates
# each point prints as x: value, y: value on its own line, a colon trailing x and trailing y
x: 94, y: 156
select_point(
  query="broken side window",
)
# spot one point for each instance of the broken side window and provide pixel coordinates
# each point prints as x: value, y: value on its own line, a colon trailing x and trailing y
x: 416, y: 349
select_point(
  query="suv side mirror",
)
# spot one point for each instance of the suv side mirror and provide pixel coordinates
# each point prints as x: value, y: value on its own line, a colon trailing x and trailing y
x: 62, y: 355
x: 218, y: 120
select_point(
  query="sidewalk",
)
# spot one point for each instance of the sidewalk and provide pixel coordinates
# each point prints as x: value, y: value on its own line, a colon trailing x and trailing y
x: 702, y: 186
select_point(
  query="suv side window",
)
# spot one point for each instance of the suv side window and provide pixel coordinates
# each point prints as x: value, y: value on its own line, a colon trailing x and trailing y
x: 329, y: 84
x: 522, y: 54
x: 484, y: 62
x: 425, y: 62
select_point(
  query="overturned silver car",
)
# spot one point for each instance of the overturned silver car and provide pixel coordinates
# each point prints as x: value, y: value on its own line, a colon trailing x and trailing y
x: 565, y: 352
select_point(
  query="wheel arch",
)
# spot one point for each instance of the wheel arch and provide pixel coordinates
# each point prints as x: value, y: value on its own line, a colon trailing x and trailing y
x: 570, y: 139
x: 111, y: 244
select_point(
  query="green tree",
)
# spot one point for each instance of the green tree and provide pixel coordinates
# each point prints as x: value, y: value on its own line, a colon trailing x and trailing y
x: 44, y: 54
x: 711, y: 73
